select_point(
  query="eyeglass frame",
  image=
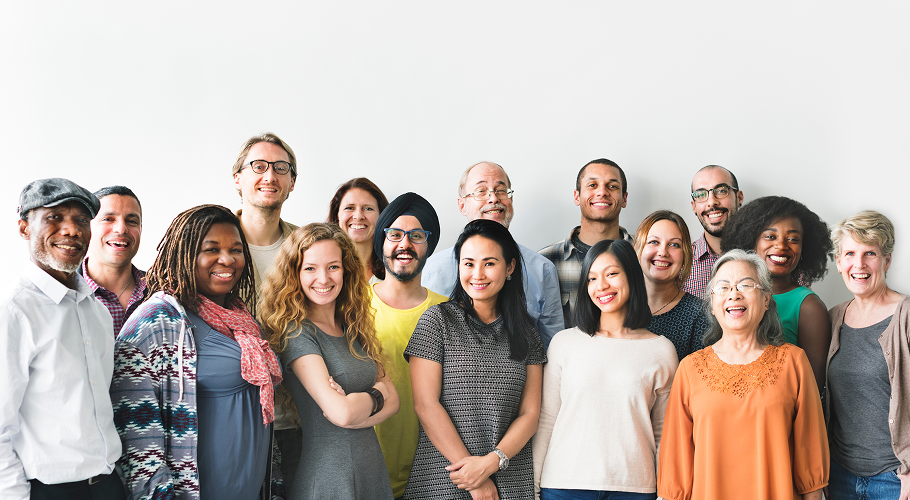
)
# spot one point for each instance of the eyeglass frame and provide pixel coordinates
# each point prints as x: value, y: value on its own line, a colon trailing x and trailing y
x: 737, y: 287
x: 507, y: 192
x: 269, y: 164
x: 407, y: 234
x: 714, y: 191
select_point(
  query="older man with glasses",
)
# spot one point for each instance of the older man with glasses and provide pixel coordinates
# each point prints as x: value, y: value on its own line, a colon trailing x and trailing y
x: 485, y: 192
x: 715, y: 198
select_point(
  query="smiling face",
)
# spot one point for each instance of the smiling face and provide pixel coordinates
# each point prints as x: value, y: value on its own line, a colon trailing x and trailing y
x: 601, y: 198
x: 862, y: 266
x: 662, y: 254
x: 404, y: 259
x: 357, y: 215
x: 116, y: 231
x: 737, y: 311
x: 322, y: 274
x: 713, y: 213
x: 220, y: 262
x: 608, y: 286
x: 269, y: 190
x: 58, y: 238
x: 482, y: 270
x: 781, y: 246
x: 490, y: 177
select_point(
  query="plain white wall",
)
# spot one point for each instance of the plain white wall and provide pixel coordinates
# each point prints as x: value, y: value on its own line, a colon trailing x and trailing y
x: 807, y: 100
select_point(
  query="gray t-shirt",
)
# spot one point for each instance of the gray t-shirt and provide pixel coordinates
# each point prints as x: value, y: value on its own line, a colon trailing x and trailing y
x: 860, y: 397
x: 334, y: 462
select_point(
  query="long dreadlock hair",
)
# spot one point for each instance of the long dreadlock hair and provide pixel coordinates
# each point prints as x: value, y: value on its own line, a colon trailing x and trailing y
x: 174, y: 270
x: 285, y: 307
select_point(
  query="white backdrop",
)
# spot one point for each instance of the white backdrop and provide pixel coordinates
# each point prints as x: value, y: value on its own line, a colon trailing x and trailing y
x: 807, y: 100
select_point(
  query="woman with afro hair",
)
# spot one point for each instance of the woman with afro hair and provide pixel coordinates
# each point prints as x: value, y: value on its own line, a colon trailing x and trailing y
x: 795, y: 244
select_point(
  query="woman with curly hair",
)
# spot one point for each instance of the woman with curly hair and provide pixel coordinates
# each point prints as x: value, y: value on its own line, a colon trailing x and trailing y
x: 321, y: 324
x: 794, y: 243
x: 193, y: 380
x: 664, y: 253
x: 355, y: 208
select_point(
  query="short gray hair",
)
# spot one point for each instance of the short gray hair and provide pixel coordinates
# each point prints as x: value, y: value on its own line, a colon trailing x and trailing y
x: 770, y: 330
x: 867, y: 227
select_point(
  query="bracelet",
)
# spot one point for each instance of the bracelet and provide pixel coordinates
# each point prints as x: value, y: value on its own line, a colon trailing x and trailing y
x: 378, y: 400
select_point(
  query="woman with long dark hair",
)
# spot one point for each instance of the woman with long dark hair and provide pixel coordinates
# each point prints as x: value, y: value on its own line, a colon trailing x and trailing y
x: 605, y: 388
x: 476, y: 373
x: 321, y: 324
x: 355, y: 207
x: 193, y: 388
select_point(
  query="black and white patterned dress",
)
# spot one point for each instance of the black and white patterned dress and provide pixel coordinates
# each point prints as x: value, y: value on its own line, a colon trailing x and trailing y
x: 684, y: 325
x: 481, y: 391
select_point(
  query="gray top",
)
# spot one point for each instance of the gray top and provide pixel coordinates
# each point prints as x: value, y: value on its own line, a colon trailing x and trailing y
x: 860, y: 397
x: 334, y: 462
x: 233, y: 449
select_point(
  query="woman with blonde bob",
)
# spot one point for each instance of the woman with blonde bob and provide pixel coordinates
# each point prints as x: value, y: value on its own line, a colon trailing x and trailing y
x: 868, y: 376
x: 316, y: 315
x: 664, y: 252
x: 744, y: 419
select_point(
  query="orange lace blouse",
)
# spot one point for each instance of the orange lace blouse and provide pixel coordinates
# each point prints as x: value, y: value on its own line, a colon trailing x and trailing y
x: 743, y: 431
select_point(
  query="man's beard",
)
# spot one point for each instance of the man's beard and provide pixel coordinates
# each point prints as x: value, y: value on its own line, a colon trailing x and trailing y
x: 43, y: 256
x: 404, y: 277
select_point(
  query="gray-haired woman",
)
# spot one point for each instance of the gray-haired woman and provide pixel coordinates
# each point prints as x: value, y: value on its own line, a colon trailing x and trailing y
x: 744, y: 418
x: 868, y: 367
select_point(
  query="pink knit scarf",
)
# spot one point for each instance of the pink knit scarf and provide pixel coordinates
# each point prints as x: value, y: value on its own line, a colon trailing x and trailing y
x: 258, y: 364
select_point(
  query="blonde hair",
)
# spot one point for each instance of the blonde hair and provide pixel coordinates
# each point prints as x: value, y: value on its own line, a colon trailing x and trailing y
x: 284, y: 307
x: 867, y: 227
x: 642, y: 234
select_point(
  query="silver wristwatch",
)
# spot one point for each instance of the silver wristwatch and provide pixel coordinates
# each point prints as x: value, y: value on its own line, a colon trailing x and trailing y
x: 503, y: 459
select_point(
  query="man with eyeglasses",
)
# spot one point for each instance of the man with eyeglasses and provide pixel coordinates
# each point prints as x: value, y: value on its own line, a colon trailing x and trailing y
x: 485, y: 192
x: 715, y: 198
x: 600, y: 194
x: 264, y: 174
x: 406, y: 234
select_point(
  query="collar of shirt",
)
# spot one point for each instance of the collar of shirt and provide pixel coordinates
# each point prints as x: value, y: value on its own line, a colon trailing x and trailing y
x: 53, y: 288
x: 138, y: 279
x: 700, y: 249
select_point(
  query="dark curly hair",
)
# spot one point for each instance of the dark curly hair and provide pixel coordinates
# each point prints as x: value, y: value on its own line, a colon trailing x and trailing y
x: 747, y: 224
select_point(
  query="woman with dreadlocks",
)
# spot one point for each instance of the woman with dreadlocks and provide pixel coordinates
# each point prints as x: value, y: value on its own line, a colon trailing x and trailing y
x: 193, y: 388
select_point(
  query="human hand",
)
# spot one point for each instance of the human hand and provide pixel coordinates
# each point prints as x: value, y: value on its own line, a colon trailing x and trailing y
x: 337, y: 387
x: 470, y: 472
x: 905, y: 486
x: 486, y: 491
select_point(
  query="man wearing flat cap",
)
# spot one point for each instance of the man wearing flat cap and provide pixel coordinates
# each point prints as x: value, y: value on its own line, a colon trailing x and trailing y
x: 57, y: 434
x: 406, y: 234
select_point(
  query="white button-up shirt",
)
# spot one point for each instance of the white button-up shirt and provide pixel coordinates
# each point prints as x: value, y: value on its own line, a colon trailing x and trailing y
x: 56, y: 364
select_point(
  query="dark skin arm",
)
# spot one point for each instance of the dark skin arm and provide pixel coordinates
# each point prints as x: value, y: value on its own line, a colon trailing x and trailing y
x: 814, y: 335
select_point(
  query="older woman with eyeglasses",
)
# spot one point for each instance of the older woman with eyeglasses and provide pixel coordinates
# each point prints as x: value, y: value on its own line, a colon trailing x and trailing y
x: 744, y: 419
x: 868, y: 368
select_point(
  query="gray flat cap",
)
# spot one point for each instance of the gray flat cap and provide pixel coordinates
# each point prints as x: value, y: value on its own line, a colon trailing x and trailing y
x: 53, y: 192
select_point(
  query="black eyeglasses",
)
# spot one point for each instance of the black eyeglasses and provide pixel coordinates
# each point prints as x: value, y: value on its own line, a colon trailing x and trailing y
x: 720, y: 191
x: 417, y: 236
x: 262, y: 166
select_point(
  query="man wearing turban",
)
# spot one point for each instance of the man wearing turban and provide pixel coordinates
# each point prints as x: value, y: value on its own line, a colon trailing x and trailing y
x: 406, y: 234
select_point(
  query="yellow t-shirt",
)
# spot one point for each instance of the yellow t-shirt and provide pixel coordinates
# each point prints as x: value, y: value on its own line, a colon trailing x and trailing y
x: 398, y: 434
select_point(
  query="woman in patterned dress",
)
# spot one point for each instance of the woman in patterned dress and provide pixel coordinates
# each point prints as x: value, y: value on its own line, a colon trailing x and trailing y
x: 476, y: 372
x: 665, y: 254
x: 744, y: 419
x: 317, y: 316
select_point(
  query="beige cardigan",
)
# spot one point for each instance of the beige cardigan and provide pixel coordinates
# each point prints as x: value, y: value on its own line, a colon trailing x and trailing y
x: 895, y: 342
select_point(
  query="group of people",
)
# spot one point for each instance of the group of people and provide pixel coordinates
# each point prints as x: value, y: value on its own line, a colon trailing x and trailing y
x: 351, y: 359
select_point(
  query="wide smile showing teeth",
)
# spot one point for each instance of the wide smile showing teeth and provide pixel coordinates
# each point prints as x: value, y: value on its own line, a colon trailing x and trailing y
x: 358, y: 227
x: 404, y: 259
x: 479, y: 286
x: 661, y: 264
x: 735, y: 310
x: 118, y: 244
x: 714, y: 216
x: 861, y: 276
x: 779, y: 259
x: 322, y: 290
x: 223, y: 276
x: 603, y: 299
x: 600, y: 204
x: 267, y: 190
x: 495, y: 211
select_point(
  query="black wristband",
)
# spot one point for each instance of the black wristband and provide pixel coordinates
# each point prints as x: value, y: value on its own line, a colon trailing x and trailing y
x: 378, y: 400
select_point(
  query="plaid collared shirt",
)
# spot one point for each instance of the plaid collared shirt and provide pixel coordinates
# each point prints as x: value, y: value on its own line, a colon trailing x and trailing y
x: 567, y: 259
x: 110, y: 299
x: 703, y: 260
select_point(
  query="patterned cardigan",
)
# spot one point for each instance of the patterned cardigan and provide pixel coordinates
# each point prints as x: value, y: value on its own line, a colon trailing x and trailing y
x: 154, y: 397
